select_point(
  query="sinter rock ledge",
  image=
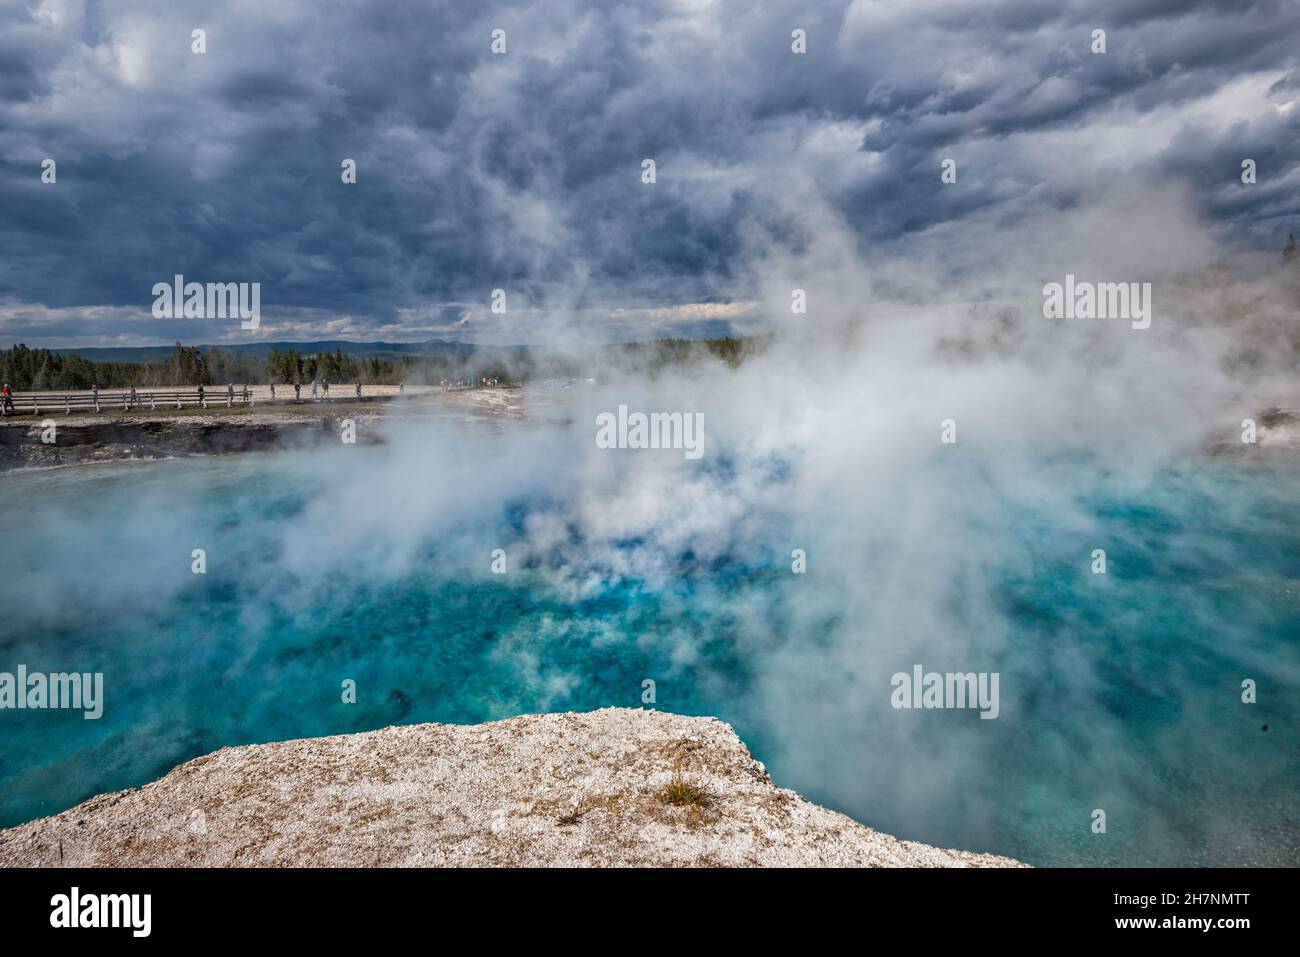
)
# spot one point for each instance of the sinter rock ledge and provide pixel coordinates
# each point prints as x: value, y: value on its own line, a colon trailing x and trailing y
x: 611, y: 787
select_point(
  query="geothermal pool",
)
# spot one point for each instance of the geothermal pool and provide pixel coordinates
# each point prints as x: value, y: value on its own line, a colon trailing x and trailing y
x: 1119, y: 692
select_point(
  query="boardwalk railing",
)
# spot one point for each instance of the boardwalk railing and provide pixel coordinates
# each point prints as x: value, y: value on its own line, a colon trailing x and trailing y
x: 38, y: 403
x: 45, y: 403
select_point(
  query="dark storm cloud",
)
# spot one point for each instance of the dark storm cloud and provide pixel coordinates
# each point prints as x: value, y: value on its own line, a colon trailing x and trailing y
x: 522, y: 171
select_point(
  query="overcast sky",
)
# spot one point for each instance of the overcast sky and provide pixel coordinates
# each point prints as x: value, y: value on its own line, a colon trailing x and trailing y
x: 523, y: 170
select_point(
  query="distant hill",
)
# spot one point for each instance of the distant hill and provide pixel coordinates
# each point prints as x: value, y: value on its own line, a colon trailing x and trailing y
x: 432, y: 347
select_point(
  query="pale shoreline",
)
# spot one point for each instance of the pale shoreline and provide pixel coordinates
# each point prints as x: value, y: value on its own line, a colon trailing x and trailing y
x: 114, y: 435
x: 575, y: 789
x: 85, y: 438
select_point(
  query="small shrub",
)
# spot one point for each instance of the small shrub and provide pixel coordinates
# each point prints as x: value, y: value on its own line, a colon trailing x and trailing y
x: 679, y: 793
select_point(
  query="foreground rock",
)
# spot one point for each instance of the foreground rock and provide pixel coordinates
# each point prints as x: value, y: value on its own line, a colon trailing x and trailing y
x: 610, y: 787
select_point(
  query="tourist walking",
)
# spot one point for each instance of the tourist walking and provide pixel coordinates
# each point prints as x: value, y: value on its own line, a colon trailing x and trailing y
x: 8, y: 400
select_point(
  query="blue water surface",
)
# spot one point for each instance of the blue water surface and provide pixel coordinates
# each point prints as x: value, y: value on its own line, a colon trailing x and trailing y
x: 1123, y: 691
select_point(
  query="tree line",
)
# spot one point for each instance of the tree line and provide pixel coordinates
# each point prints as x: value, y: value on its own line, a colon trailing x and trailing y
x: 29, y: 370
x: 32, y: 370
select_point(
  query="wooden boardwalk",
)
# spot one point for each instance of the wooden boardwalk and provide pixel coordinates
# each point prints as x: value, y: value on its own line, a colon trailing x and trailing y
x: 213, y: 397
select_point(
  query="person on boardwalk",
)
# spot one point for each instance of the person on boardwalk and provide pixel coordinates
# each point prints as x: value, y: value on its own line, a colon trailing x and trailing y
x: 8, y: 400
x: 325, y: 388
x: 297, y: 388
x: 202, y: 401
x: 134, y: 397
x: 313, y: 388
x: 272, y: 390
x: 401, y: 388
x: 358, y: 388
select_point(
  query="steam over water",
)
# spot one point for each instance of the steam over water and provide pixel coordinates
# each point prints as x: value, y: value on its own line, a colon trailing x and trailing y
x: 1119, y: 691
x: 1109, y: 290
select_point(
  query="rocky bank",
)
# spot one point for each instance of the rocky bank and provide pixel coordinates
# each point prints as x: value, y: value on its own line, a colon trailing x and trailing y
x: 616, y: 787
x: 90, y: 439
